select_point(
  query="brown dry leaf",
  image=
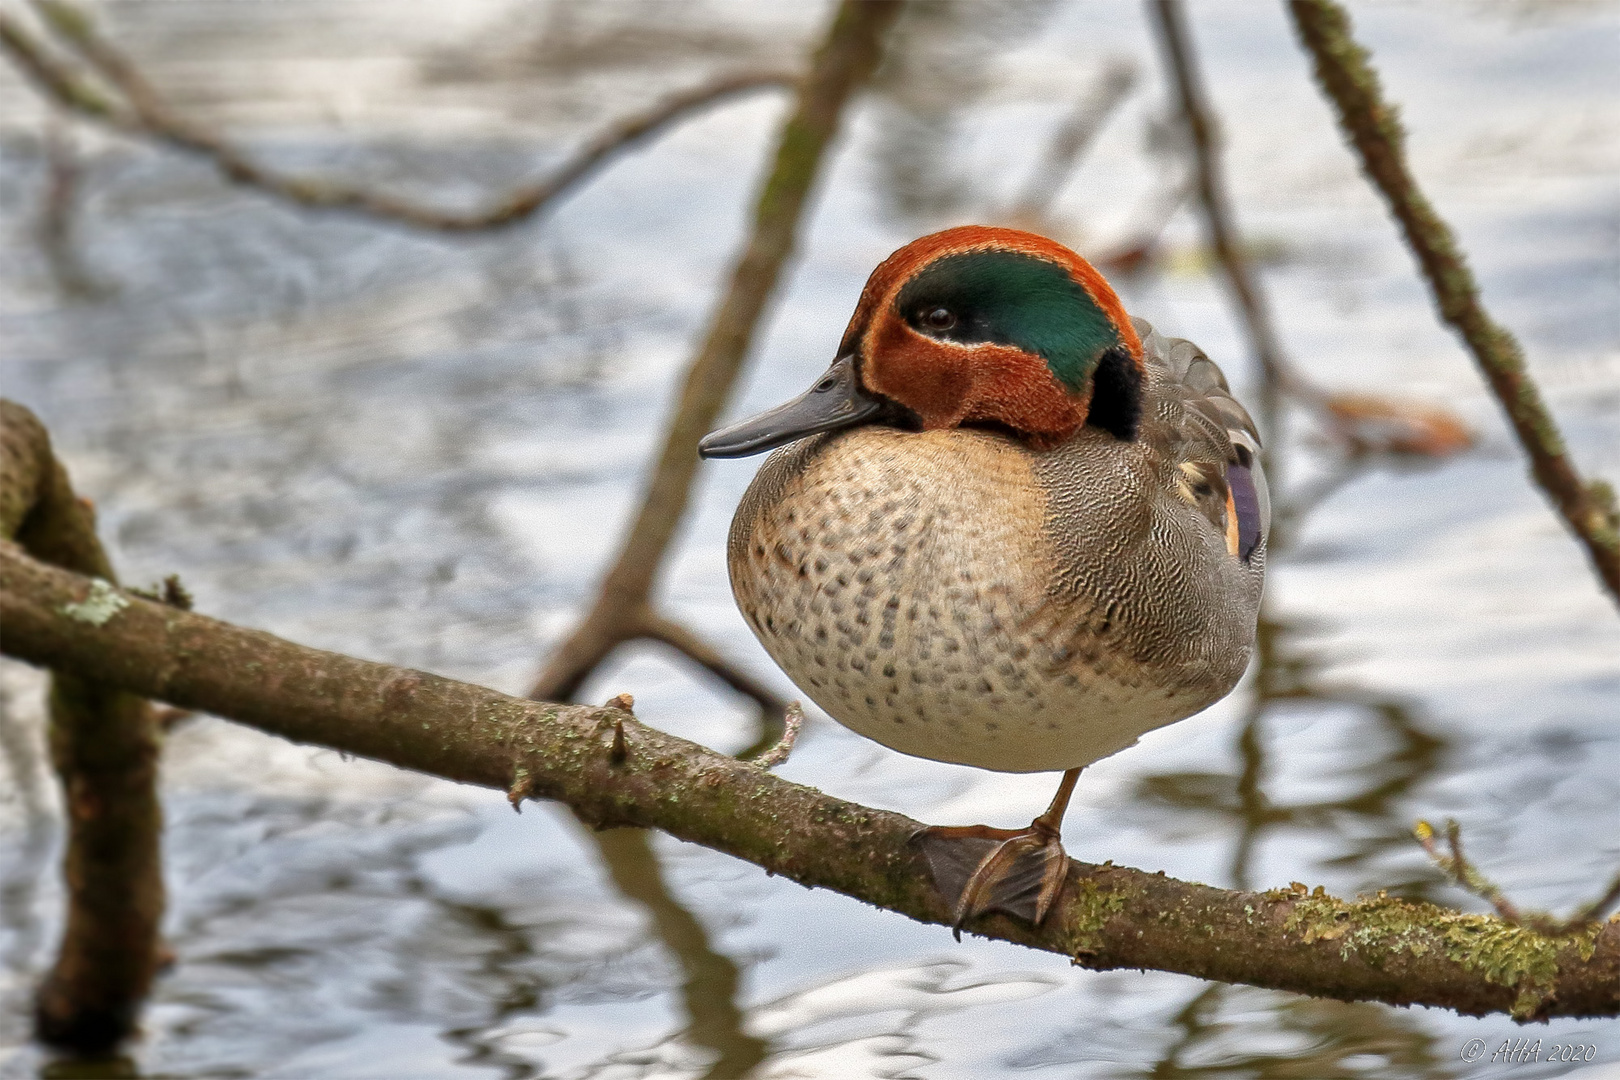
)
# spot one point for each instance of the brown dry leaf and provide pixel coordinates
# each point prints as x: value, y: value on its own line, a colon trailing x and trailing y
x: 1377, y: 424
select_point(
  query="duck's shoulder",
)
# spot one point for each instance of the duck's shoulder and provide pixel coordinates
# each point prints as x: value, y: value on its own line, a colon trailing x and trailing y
x: 1188, y: 407
x: 1196, y: 448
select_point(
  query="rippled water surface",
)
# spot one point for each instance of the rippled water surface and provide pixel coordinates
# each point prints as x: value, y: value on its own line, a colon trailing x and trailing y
x: 420, y: 450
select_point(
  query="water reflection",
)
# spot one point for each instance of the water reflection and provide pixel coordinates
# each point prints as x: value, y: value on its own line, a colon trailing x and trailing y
x: 1221, y: 1027
x: 1369, y: 819
x: 1385, y: 756
x: 709, y: 985
x: 939, y: 65
x: 23, y: 758
x: 121, y: 1067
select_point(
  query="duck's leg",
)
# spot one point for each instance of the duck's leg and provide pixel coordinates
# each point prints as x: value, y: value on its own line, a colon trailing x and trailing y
x: 1018, y: 871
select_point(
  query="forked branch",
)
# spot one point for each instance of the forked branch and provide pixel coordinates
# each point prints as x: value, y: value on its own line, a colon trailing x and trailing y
x: 1170, y: 20
x: 104, y: 744
x: 1360, y: 423
x: 623, y: 607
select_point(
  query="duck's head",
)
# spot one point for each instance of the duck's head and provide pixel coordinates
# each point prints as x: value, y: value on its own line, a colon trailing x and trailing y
x: 970, y: 326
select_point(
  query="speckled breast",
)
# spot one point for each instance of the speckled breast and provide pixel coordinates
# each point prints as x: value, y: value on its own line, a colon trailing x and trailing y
x: 905, y: 582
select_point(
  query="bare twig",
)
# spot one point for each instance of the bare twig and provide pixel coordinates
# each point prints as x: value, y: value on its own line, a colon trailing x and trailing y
x: 1597, y: 909
x: 1463, y: 872
x: 622, y: 608
x: 777, y: 754
x: 1373, y: 128
x: 1106, y: 917
x: 1360, y: 423
x: 104, y: 743
x: 1170, y: 20
x: 619, y: 750
x: 1466, y: 875
x: 58, y: 80
x: 142, y: 112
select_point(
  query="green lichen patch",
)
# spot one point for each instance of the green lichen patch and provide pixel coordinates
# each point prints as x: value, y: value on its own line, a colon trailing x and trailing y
x: 1513, y: 956
x: 1381, y: 927
x: 1088, y: 912
x: 98, y: 607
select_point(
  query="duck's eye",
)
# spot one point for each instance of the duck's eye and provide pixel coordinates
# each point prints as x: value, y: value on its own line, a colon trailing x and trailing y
x: 939, y: 318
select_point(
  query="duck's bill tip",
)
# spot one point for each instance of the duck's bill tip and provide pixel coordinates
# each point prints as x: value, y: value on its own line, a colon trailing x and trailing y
x: 730, y: 443
x: 835, y: 401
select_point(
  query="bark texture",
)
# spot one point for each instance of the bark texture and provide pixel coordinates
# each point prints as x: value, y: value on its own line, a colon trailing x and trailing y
x: 104, y: 744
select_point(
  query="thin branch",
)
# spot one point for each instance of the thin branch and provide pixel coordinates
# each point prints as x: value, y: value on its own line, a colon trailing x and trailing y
x: 1170, y: 20
x: 841, y: 66
x: 104, y: 744
x: 59, y: 81
x: 777, y: 754
x: 64, y: 176
x: 1598, y: 908
x: 143, y: 113
x: 1107, y: 917
x: 1467, y: 876
x: 1463, y: 872
x: 1372, y: 126
x: 1360, y: 424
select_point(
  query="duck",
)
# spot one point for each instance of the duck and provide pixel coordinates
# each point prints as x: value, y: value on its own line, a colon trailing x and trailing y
x: 1010, y: 527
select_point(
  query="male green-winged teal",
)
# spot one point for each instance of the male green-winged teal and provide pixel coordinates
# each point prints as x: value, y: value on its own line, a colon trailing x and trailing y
x: 1016, y: 529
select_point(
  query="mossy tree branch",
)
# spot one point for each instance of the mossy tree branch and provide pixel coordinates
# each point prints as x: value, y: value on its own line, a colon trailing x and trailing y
x: 1373, y: 128
x: 104, y: 744
x: 1378, y: 948
x: 131, y: 105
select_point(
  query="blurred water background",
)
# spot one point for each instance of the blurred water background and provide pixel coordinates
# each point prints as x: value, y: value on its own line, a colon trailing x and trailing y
x: 420, y: 449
